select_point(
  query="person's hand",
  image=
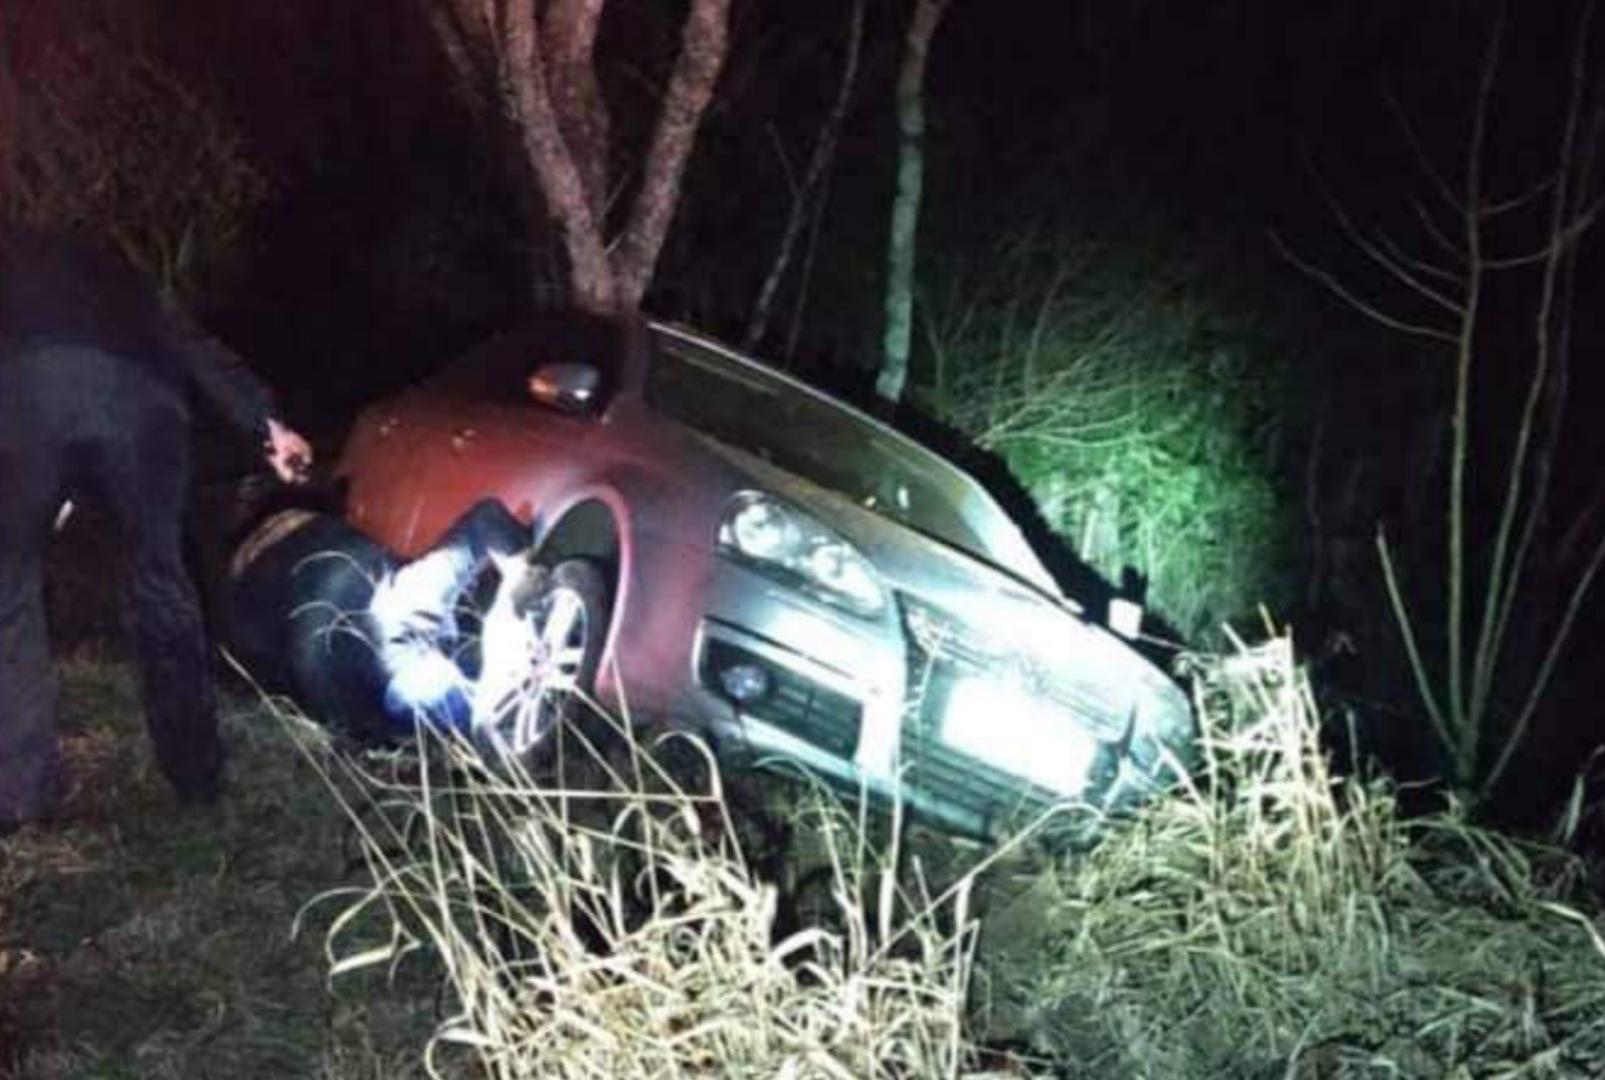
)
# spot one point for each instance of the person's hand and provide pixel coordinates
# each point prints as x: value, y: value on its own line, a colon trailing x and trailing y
x: 289, y: 455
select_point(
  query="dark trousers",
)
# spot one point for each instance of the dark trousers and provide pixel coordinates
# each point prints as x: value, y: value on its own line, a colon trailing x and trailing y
x: 79, y: 422
x: 299, y: 612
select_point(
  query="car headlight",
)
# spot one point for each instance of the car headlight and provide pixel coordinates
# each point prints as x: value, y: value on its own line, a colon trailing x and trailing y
x: 793, y: 547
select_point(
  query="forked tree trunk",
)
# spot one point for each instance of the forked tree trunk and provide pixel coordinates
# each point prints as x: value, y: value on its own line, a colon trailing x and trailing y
x: 534, y: 61
x: 555, y: 167
x: 571, y: 26
x: 906, y: 204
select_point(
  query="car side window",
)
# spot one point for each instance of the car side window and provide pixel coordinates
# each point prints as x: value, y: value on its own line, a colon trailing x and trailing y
x: 498, y: 371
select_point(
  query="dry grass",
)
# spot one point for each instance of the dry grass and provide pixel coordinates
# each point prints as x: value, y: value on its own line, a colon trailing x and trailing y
x: 1278, y: 920
x: 609, y: 925
x: 1275, y: 920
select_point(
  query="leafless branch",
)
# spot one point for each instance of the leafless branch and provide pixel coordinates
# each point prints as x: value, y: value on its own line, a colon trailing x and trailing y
x: 1505, y: 569
x: 1348, y: 296
x: 1406, y: 624
x: 1441, y: 187
x: 703, y: 43
x: 1435, y: 232
x: 1516, y: 202
x: 813, y: 180
x: 571, y: 27
x: 554, y: 167
x: 1393, y: 266
x: 1420, y: 265
x: 1566, y: 238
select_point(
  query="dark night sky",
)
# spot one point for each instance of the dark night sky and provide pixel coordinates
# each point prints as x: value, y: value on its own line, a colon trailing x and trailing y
x: 1211, y: 114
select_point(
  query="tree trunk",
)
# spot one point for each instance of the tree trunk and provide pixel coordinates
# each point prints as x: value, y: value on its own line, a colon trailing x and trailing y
x: 571, y: 26
x: 906, y: 204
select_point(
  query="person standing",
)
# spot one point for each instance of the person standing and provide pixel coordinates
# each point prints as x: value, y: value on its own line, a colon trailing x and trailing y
x: 97, y: 380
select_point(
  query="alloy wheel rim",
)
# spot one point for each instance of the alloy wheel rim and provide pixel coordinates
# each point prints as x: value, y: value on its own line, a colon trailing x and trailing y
x: 561, y: 627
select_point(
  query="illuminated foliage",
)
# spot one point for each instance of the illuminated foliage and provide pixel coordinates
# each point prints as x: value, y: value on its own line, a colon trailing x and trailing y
x: 1134, y: 408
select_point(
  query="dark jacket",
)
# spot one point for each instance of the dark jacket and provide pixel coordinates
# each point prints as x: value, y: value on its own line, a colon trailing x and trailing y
x: 62, y: 290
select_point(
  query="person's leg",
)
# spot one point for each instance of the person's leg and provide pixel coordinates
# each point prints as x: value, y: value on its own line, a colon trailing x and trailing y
x: 298, y: 599
x: 30, y: 494
x: 144, y: 474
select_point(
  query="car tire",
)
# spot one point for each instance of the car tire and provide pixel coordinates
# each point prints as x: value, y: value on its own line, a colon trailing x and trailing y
x: 569, y: 615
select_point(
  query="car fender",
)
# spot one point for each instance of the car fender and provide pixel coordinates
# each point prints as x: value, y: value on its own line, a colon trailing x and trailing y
x: 657, y: 585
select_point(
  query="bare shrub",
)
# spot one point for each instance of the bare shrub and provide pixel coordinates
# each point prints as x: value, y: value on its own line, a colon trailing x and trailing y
x: 1134, y: 411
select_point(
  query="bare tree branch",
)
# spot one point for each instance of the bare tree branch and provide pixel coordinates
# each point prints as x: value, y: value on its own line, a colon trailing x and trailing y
x: 1418, y: 667
x: 1504, y: 575
x: 1435, y: 233
x: 466, y: 44
x: 1516, y: 202
x: 1338, y: 289
x: 1546, y: 670
x: 703, y: 43
x: 1420, y: 265
x: 1566, y: 238
x: 1441, y: 187
x: 1393, y: 266
x: 818, y: 163
x: 552, y: 164
x: 794, y: 332
x: 570, y: 27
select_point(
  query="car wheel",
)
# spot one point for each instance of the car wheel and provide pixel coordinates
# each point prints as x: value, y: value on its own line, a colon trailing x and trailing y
x: 565, y: 619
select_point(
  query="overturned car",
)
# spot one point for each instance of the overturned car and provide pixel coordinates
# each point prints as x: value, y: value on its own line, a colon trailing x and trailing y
x: 777, y: 571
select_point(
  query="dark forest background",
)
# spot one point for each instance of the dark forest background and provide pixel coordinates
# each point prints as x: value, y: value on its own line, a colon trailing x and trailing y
x: 1128, y: 209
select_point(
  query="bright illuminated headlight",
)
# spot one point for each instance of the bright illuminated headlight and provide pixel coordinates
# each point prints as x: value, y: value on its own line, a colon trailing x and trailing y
x: 793, y: 547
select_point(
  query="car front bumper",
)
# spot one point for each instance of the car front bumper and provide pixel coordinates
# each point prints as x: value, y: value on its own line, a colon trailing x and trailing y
x: 924, y: 706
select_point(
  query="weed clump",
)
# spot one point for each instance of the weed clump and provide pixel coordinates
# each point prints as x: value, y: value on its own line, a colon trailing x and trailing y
x: 1277, y: 919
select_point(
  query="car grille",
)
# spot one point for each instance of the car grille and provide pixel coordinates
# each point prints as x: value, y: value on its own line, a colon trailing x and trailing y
x: 795, y: 704
x: 988, y: 794
x: 941, y: 651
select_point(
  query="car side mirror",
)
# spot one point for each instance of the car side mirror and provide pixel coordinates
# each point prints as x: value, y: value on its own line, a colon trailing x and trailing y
x: 566, y: 386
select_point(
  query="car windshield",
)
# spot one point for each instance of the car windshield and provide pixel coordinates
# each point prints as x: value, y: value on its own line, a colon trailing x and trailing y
x: 763, y: 413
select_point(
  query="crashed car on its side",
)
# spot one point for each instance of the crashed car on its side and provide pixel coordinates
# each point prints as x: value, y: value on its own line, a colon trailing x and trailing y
x: 783, y: 573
